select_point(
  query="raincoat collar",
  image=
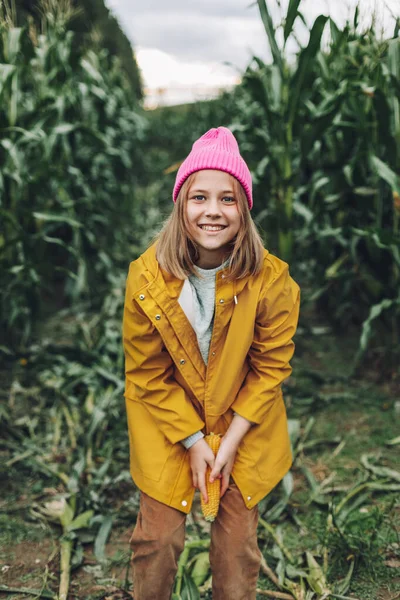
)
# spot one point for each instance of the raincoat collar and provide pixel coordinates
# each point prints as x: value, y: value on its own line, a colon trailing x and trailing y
x: 174, y: 285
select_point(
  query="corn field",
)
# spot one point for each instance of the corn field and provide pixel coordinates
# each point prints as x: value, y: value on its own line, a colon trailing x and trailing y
x: 85, y: 181
x: 69, y: 140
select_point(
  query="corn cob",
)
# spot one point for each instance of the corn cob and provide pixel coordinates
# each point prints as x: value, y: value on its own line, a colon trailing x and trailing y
x: 210, y: 509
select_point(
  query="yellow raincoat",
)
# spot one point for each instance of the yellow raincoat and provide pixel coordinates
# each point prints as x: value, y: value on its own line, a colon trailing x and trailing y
x: 170, y: 393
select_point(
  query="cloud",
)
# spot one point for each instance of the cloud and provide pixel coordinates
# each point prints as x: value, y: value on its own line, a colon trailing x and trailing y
x: 209, y: 8
x: 208, y: 31
x: 163, y: 70
x: 187, y: 40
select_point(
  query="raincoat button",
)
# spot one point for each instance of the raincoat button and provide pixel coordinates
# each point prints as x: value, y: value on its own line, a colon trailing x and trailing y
x: 182, y: 361
x: 158, y: 317
x: 221, y: 301
x: 213, y: 353
x: 249, y: 498
x: 141, y: 297
x: 222, y: 276
x: 184, y: 503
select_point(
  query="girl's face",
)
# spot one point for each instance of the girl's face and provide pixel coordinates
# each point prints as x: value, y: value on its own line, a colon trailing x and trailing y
x: 213, y: 216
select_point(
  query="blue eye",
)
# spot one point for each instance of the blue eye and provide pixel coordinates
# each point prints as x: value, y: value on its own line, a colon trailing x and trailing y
x: 230, y: 199
x: 198, y: 197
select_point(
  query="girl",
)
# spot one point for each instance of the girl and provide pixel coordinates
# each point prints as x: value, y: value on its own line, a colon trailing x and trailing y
x: 208, y: 324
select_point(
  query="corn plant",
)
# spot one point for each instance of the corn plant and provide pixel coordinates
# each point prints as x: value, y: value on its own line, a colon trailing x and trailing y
x: 272, y: 118
x: 74, y: 400
x: 322, y: 139
x: 348, y: 200
x: 69, y: 132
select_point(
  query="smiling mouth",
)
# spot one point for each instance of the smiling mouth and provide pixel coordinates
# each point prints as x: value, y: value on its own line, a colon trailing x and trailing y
x: 212, y: 227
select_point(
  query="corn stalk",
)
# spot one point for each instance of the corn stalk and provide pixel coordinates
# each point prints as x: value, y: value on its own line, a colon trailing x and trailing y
x: 279, y: 90
x: 69, y: 127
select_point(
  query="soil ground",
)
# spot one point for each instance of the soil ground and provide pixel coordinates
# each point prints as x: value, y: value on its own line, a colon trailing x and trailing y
x: 352, y: 417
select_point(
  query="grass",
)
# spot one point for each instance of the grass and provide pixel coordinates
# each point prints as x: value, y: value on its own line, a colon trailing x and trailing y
x: 341, y: 420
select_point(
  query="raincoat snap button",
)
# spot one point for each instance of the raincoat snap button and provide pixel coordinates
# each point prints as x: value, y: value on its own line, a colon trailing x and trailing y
x: 221, y: 301
x: 213, y: 353
x: 141, y: 297
x: 184, y: 503
x: 158, y: 317
x: 182, y: 361
x: 248, y: 497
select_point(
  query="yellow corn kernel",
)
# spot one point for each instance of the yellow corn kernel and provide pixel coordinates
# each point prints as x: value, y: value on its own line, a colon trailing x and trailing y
x: 210, y: 509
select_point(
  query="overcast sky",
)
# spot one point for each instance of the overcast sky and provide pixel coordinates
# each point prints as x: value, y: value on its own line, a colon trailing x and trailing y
x: 182, y: 46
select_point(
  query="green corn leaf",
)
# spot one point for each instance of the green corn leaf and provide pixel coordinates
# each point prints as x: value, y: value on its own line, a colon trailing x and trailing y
x: 393, y: 57
x: 58, y: 242
x: 13, y: 44
x: 350, y: 507
x: 316, y: 494
x: 290, y: 18
x: 277, y: 509
x: 80, y: 521
x: 341, y: 587
x: 394, y: 441
x: 335, y: 31
x: 305, y: 65
x: 98, y: 417
x: 201, y: 568
x: 28, y: 591
x: 292, y: 571
x: 65, y: 128
x: 356, y: 17
x: 386, y: 173
x: 91, y: 70
x: 298, y: 590
x: 190, y: 590
x: 102, y: 537
x: 108, y: 375
x: 288, y: 484
x: 302, y: 210
x: 332, y: 271
x: 270, y: 30
x: 308, y: 426
x: 56, y: 219
x: 381, y: 471
x: 294, y: 430
x: 316, y: 577
x: 374, y: 313
x: 5, y: 73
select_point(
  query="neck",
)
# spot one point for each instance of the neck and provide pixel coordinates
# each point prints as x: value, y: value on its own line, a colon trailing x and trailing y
x: 211, y: 260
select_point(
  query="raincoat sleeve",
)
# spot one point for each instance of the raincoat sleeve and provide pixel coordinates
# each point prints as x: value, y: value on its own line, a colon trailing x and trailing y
x: 272, y: 347
x: 149, y: 375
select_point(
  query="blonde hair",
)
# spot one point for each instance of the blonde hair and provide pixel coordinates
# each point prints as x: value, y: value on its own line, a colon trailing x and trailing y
x: 177, y: 251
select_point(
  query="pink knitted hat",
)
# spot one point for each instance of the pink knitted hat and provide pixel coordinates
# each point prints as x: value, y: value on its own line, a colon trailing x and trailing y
x: 216, y: 149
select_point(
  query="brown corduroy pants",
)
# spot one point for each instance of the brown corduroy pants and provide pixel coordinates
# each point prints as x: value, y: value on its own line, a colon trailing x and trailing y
x: 159, y: 538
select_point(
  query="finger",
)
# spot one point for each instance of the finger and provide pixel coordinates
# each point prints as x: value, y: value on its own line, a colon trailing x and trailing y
x: 224, y: 483
x: 201, y: 483
x: 211, y: 463
x: 215, y: 473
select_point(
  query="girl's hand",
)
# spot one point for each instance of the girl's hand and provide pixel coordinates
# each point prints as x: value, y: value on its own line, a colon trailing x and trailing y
x: 224, y: 462
x: 201, y: 455
x: 227, y: 451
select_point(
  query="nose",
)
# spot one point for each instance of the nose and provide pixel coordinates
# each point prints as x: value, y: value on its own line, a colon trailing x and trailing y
x: 213, y: 208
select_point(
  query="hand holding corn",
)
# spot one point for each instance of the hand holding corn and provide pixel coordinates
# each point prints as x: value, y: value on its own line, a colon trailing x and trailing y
x: 210, y: 509
x: 201, y: 458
